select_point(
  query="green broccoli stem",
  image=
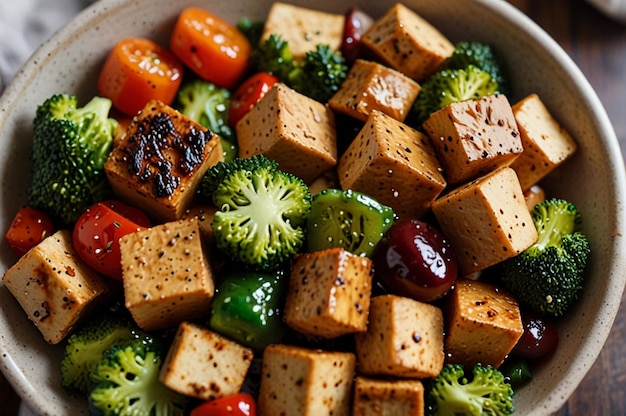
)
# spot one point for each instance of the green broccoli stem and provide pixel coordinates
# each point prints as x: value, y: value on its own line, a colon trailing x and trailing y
x: 558, y: 223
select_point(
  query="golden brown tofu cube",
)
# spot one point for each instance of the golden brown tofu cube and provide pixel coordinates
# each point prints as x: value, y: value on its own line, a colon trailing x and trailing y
x: 486, y: 220
x: 408, y: 43
x: 203, y: 364
x: 292, y: 129
x: 388, y: 397
x: 296, y: 381
x: 159, y: 163
x: 372, y: 86
x: 303, y: 28
x: 546, y: 143
x: 167, y: 275
x: 329, y: 293
x: 404, y: 339
x: 474, y: 137
x: 484, y: 324
x: 394, y: 164
x: 54, y: 287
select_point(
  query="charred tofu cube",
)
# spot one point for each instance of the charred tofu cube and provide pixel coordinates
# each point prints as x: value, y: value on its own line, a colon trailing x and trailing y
x: 404, y: 339
x: 408, y: 43
x: 546, y: 143
x: 292, y: 129
x: 394, y: 164
x: 167, y: 274
x: 484, y: 324
x: 54, y: 287
x: 329, y: 293
x: 161, y: 160
x: 372, y: 86
x: 203, y: 364
x: 306, y: 28
x: 486, y: 220
x: 388, y: 397
x: 296, y: 381
x: 474, y: 137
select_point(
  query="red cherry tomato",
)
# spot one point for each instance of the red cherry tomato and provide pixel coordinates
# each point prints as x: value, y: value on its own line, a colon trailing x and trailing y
x: 240, y: 404
x: 540, y: 337
x: 248, y: 94
x: 29, y: 227
x: 97, y: 233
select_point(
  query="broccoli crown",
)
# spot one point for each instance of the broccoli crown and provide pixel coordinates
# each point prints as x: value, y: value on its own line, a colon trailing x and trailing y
x: 208, y: 104
x: 481, y: 55
x: 318, y: 76
x: 127, y: 383
x: 262, y: 212
x: 452, y: 85
x: 548, y: 276
x: 70, y: 147
x: 252, y: 29
x: 84, y: 348
x: 483, y: 392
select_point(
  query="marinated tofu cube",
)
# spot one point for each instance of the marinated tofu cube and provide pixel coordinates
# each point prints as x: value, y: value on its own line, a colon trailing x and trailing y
x: 329, y: 293
x: 408, y: 43
x: 474, y: 137
x: 296, y: 381
x: 484, y: 324
x: 161, y: 160
x: 54, y: 287
x: 372, y: 86
x: 292, y: 129
x: 394, y: 164
x: 546, y: 143
x: 303, y: 28
x: 203, y: 364
x: 486, y: 220
x: 167, y: 274
x: 388, y: 397
x: 404, y: 339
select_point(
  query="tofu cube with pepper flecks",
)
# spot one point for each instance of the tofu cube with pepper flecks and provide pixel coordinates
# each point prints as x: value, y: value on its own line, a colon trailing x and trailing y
x: 394, y: 164
x: 54, y: 287
x: 167, y: 274
x: 297, y: 381
x: 387, y: 397
x: 203, y: 364
x: 329, y: 293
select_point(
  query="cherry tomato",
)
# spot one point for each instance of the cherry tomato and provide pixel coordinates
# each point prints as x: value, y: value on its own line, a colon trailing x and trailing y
x: 29, y: 227
x: 248, y: 94
x: 539, y: 339
x: 211, y: 47
x: 240, y: 404
x: 97, y: 233
x: 136, y: 71
x: 356, y: 23
x: 414, y: 259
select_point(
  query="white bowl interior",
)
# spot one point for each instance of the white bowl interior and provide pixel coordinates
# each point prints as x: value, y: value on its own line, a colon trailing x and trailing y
x: 593, y: 179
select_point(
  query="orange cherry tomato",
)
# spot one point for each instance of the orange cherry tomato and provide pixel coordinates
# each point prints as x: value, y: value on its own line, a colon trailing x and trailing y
x: 248, y: 94
x: 240, y: 404
x: 29, y: 227
x: 212, y: 48
x: 97, y: 233
x: 136, y: 71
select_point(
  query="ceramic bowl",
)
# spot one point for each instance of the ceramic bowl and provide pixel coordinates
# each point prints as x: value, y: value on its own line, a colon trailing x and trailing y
x: 593, y: 179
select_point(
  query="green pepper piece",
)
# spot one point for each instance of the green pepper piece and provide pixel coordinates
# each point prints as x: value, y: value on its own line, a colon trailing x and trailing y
x: 247, y: 307
x: 347, y: 219
x: 516, y: 371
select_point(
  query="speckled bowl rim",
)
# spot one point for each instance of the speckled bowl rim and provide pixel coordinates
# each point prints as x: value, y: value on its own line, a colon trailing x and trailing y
x: 529, y: 34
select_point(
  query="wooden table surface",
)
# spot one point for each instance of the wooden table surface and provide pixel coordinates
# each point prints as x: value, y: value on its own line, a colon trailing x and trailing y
x: 598, y: 46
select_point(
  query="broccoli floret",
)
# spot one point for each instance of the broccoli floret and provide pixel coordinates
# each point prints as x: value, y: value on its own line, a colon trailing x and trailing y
x: 452, y: 85
x: 483, y: 392
x: 208, y: 105
x: 70, y: 147
x: 548, y: 276
x: 318, y: 76
x: 252, y: 29
x: 84, y: 348
x: 127, y: 383
x: 262, y: 212
x: 483, y: 56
